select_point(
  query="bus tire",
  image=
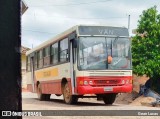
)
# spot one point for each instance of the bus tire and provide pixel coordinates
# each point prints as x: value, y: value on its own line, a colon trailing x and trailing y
x: 68, y: 97
x: 47, y: 96
x: 41, y: 96
x: 109, y: 98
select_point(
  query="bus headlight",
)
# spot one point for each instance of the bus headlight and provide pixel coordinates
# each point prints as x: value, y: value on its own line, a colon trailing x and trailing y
x: 123, y: 82
x: 127, y: 81
x: 90, y: 82
x: 85, y: 82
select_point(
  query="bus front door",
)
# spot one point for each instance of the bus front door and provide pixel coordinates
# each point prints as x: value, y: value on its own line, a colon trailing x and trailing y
x: 72, y: 66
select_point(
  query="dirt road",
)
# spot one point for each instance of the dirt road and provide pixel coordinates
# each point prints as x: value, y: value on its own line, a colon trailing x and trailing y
x: 30, y: 102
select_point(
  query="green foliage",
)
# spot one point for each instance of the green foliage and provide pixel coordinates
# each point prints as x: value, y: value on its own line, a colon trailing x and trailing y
x: 146, y: 44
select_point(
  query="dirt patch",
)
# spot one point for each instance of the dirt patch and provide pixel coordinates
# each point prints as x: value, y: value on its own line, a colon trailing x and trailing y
x: 124, y: 98
x: 137, y: 81
x: 138, y: 101
x: 127, y: 98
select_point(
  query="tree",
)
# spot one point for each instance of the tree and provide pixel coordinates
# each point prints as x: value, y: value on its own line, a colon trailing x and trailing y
x: 146, y: 47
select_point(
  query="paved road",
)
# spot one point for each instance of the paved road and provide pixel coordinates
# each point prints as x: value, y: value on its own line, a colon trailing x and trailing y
x: 30, y: 102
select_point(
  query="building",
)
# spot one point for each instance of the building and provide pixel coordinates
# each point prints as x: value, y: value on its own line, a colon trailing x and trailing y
x: 23, y: 65
x: 23, y: 50
x: 24, y: 7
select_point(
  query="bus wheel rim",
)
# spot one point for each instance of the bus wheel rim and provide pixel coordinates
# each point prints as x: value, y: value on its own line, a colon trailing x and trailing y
x: 67, y: 93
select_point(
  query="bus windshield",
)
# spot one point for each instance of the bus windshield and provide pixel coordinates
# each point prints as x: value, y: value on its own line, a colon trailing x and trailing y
x: 94, y: 53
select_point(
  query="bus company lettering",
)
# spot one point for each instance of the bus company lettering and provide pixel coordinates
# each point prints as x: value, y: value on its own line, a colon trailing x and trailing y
x: 47, y: 73
x: 106, y: 31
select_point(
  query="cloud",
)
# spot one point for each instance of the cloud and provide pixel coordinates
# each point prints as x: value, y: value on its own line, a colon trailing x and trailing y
x: 41, y: 23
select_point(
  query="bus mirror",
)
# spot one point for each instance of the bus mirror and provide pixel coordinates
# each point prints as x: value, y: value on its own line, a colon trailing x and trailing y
x: 67, y: 56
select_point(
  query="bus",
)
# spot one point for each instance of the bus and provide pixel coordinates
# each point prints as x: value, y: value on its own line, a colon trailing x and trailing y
x: 84, y: 61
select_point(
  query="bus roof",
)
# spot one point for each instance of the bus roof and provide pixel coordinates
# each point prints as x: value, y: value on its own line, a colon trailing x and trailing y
x: 52, y: 40
x: 85, y: 30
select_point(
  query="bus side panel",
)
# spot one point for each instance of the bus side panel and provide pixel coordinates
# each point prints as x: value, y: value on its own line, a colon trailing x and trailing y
x: 50, y: 78
x: 51, y: 87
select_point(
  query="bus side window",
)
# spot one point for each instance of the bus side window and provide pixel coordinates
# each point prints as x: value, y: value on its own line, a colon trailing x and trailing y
x: 46, y: 58
x: 28, y: 63
x: 35, y: 60
x: 40, y: 59
x: 64, y: 50
x: 54, y: 53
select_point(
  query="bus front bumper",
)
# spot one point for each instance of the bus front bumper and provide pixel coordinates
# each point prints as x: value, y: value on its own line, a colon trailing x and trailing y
x: 104, y: 89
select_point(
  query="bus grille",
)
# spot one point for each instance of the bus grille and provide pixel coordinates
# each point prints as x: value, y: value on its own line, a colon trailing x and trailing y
x: 107, y: 82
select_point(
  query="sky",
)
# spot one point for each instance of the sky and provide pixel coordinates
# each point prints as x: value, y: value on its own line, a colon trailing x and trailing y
x: 45, y: 19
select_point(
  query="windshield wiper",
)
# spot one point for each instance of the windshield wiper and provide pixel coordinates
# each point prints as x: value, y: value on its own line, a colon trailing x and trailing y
x: 116, y: 38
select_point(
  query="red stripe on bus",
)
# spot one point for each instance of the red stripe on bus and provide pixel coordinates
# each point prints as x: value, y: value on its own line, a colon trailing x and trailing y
x: 99, y: 82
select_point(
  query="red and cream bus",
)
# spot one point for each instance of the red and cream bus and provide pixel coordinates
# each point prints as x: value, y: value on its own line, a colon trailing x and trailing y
x: 84, y: 61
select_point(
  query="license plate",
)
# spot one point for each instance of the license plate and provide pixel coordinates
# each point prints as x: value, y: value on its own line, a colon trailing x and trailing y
x: 108, y: 88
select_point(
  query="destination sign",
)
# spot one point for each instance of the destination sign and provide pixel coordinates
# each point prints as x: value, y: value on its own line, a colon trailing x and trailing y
x: 103, y: 30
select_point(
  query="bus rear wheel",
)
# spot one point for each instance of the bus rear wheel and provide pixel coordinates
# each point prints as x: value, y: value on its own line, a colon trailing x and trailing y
x: 47, y: 96
x: 42, y: 97
x: 109, y: 98
x: 68, y: 97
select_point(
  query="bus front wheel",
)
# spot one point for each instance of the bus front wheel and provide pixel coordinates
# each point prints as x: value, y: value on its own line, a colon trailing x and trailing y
x: 68, y: 97
x: 109, y: 98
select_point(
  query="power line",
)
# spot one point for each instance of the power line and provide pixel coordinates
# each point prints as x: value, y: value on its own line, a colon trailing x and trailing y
x: 30, y: 30
x: 84, y: 3
x: 76, y: 17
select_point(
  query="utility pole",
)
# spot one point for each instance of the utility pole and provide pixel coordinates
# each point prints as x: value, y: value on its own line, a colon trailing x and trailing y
x: 128, y: 23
